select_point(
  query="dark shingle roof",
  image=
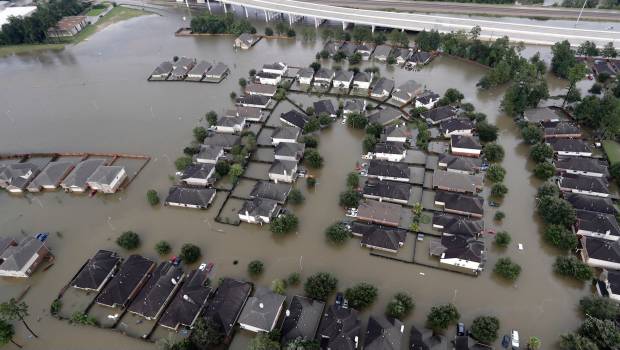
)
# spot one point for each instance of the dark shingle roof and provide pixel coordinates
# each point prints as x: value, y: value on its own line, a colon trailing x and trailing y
x: 262, y: 309
x: 461, y: 202
x: 390, y: 148
x: 464, y: 141
x: 569, y: 145
x: 295, y: 118
x: 324, y: 106
x: 188, y: 302
x: 440, y: 113
x: 191, y: 196
x: 157, y: 290
x: 591, y: 203
x: 388, y: 189
x: 96, y: 270
x: 225, y: 306
x: 285, y: 132
x: 554, y: 128
x: 463, y: 248
x: 257, y: 100
x: 383, y: 333
x: 383, y: 85
x: 281, y: 166
x: 601, y: 249
x: 198, y: 171
x: 582, y: 164
x: 384, y: 116
x: 362, y: 77
x: 52, y: 174
x: 290, y: 149
x: 119, y: 291
x: 324, y: 73
x: 302, y: 319
x: 452, y: 125
x: 584, y: 183
x: 380, y: 236
x: 269, y: 190
x: 105, y: 174
x: 597, y: 222
x: 222, y: 140
x: 458, y: 225
x: 460, y: 163
x: 388, y: 169
x: 427, y: 96
x: 259, y: 207
x: 341, y: 326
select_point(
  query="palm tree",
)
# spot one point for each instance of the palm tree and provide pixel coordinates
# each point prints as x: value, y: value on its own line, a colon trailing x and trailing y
x: 6, y: 333
x: 533, y: 343
x: 14, y: 310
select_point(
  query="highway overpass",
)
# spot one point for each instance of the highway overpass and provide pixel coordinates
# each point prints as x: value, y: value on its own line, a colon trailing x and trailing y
x: 490, y: 28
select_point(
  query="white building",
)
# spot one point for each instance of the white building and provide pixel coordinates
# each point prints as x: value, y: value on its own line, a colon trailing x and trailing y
x: 283, y: 171
x: 258, y: 211
x: 107, y: 178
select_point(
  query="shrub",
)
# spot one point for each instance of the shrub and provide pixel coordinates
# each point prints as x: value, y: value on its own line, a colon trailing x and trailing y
x: 310, y: 182
x: 548, y: 189
x: 369, y: 143
x: 243, y: 82
x: 440, y: 317
x: 81, y: 318
x: 235, y: 171
x: 507, y: 269
x: 233, y: 95
x: 496, y: 173
x: 200, y: 134
x: 295, y: 196
x: 361, y: 295
x: 541, y: 152
x: 162, y: 248
x: 484, y: 329
x: 313, y: 158
x: 570, y: 266
x: 556, y: 211
x: 499, y: 216
x: 256, y: 268
x: 357, y: 121
x: 190, y: 253
x: 400, y: 306
x: 222, y: 168
x: 493, y: 152
x: 291, y: 33
x: 353, y: 180
x: 278, y: 286
x: 599, y: 307
x: 182, y: 163
x: 486, y: 132
x: 531, y: 134
x: 293, y: 279
x: 502, y: 239
x: 55, y: 307
x: 310, y: 141
x: 349, y: 199
x: 337, y: 234
x: 560, y: 237
x: 284, y: 224
x: 544, y: 170
x: 499, y: 190
x: 152, y: 197
x: 128, y: 240
x: 320, y: 286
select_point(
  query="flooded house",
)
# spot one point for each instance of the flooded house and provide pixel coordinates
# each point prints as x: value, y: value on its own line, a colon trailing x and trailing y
x: 591, y: 203
x: 189, y: 197
x: 600, y: 252
x: 189, y: 301
x: 343, y: 79
x: 301, y: 319
x: 366, y: 50
x: 269, y: 190
x: 387, y: 239
x: 199, y: 71
x: 598, y: 225
x: 385, y: 116
x: 459, y: 253
x: 251, y: 114
x: 290, y: 151
x: 354, y: 106
x: 560, y: 130
x: 608, y: 284
x: 285, y: 134
x: 283, y: 171
x: 21, y: 259
x: 226, y: 141
x: 390, y: 151
x: 305, y: 76
x: 107, y: 178
x: 456, y: 164
x: 383, y: 333
x: 426, y: 99
x: 279, y: 68
x: 332, y: 47
x: 181, y: 67
x: 437, y: 115
x: 340, y: 328
x: 362, y: 80
x: 382, y: 52
x: 460, y: 203
x: 245, y: 41
x: 162, y: 72
x: 386, y: 170
x: 401, y: 55
x: 406, y: 92
x: 258, y: 211
x: 588, y: 185
x: 267, y: 78
x: 76, y: 180
x: 381, y: 213
x: 217, y: 73
x: 294, y: 118
x: 603, y: 67
x: 158, y: 291
x: 581, y: 166
x: 201, y: 174
x: 417, y: 59
x: 389, y: 191
x: 226, y: 305
x: 15, y: 177
x: 209, y: 154
x: 348, y: 48
x: 464, y: 145
x: 395, y: 133
x: 67, y: 26
x: 570, y: 147
x: 230, y: 124
x: 426, y: 339
x: 51, y: 176
x: 127, y: 282
x: 324, y: 107
x: 456, y: 126
x: 257, y: 101
x: 261, y: 89
x: 543, y: 114
x: 97, y: 271
x: 457, y: 182
x: 449, y: 224
x: 382, y: 88
x: 323, y: 77
x: 261, y: 311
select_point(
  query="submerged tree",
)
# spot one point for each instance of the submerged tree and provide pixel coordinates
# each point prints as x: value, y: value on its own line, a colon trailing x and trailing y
x: 14, y: 310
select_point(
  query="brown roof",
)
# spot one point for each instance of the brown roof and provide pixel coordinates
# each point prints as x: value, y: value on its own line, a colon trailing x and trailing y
x: 379, y: 212
x: 69, y: 22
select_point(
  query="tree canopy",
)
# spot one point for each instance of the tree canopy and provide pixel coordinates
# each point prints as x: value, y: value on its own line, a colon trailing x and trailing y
x: 400, y: 306
x: 284, y: 224
x: 485, y: 328
x: 320, y: 285
x: 440, y: 317
x: 361, y: 295
x: 337, y: 234
x: 128, y: 240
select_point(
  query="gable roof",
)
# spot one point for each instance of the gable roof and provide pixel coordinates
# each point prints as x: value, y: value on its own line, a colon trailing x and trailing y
x: 188, y: 302
x: 163, y: 68
x: 427, y: 96
x: 286, y: 133
x: 18, y: 175
x: 382, y: 51
x: 282, y: 166
x: 569, y: 145
x: 384, y: 116
x: 458, y: 225
x: 457, y: 181
x: 305, y: 73
x: 225, y: 306
x: 157, y: 290
x: 191, y: 196
x: 460, y: 163
x: 440, y: 113
x: 17, y: 257
x: 386, y: 168
x: 361, y: 77
x: 81, y: 172
x: 465, y: 141
x: 389, y: 238
x: 270, y: 190
x: 324, y: 73
x: 222, y: 140
x: 383, y: 333
x: 198, y: 171
x: 455, y: 124
x: 105, y: 174
x: 262, y: 309
x: 218, y: 70
x: 463, y: 248
x: 302, y: 319
x: 261, y: 89
x: 295, y: 118
x: 354, y: 105
x: 380, y: 212
x: 341, y: 326
x: 201, y: 68
x: 591, y: 165
x: 120, y: 289
x: 387, y: 189
x: 601, y: 249
x: 584, y: 183
x: 259, y: 207
x: 257, y: 100
x: 324, y: 106
x: 343, y: 75
x: 597, y: 222
x: 591, y: 203
x: 461, y: 202
x: 554, y: 128
x: 208, y: 152
x: 390, y: 147
x: 52, y: 174
x: 382, y: 85
x: 96, y: 270
x: 290, y: 149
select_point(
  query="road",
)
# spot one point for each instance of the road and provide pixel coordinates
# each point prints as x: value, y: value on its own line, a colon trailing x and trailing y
x: 476, y: 9
x: 490, y: 28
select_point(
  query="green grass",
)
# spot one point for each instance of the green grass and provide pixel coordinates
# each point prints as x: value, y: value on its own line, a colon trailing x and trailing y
x: 612, y: 149
x: 96, y: 11
x: 9, y: 50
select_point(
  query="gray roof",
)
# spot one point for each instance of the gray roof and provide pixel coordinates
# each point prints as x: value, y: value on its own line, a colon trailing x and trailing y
x: 584, y: 183
x: 52, y: 174
x: 274, y: 66
x: 410, y: 87
x: 464, y: 141
x: 457, y: 181
x: 440, y: 113
x: 163, y: 68
x: 224, y: 140
x: 15, y: 257
x: 191, y: 196
x: 383, y: 333
x: 387, y: 189
x: 386, y: 168
x: 256, y: 100
x: 157, y: 290
x: 262, y: 309
x: 460, y: 163
x: 188, y: 302
x: 455, y: 124
x: 384, y: 116
x: 555, y: 128
x: 218, y: 70
x: 426, y: 97
x: 82, y: 171
x: 382, y: 51
x: 341, y: 326
x: 591, y: 203
x: 261, y: 88
x: 592, y: 165
x: 198, y: 171
x: 105, y: 174
x: 569, y: 145
x: 96, y: 270
x: 201, y: 68
x: 461, y: 247
x: 383, y: 85
x: 397, y: 130
x: 389, y: 147
x: 601, y: 249
x: 209, y: 152
x: 121, y: 288
x: 389, y: 238
x: 332, y: 47
x: 246, y: 112
x: 354, y: 105
x: 541, y: 114
x: 348, y: 48
x: 290, y: 149
x: 295, y: 118
x: 461, y: 202
x: 230, y: 121
x: 597, y: 222
x: 324, y: 106
x: 306, y: 73
x: 225, y: 306
x: 285, y: 132
x: 362, y: 77
x: 280, y: 166
x: 259, y: 207
x: 343, y: 75
x: 247, y: 38
x: 379, y: 212
x: 420, y: 57
x: 270, y: 190
x: 458, y: 225
x: 18, y: 175
x: 302, y: 319
x: 324, y: 73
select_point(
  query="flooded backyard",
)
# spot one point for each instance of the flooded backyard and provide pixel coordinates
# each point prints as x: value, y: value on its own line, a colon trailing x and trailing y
x: 94, y: 97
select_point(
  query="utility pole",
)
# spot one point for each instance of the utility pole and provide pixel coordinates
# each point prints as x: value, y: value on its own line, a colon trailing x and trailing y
x: 580, y: 12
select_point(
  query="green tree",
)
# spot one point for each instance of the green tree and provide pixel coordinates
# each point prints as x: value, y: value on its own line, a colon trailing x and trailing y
x: 534, y: 343
x: 531, y: 134
x: 361, y: 295
x: 499, y: 190
x: 560, y: 237
x: 369, y: 143
x: 487, y: 132
x: 128, y: 240
x: 493, y: 152
x: 603, y: 333
x: 350, y: 199
x: 357, y: 121
x: 609, y: 50
x: 301, y: 343
x: 14, y: 310
x: 548, y: 190
x: 353, y: 180
x: 268, y: 31
x: 242, y: 82
x: 182, y: 163
x: 278, y: 286
x: 190, y: 253
x: 599, y: 307
x: 575, y: 74
x: 7, y: 332
x: 337, y: 234
x: 313, y: 158
x: 235, y: 171
x: 375, y: 129
x: 152, y: 197
x: 563, y: 59
x: 502, y: 239
x: 200, y: 134
x: 163, y: 248
x: 310, y: 141
x: 312, y: 125
x: 453, y: 96
x: 507, y: 269
x: 356, y: 58
x: 428, y: 41
x: 320, y: 286
x: 544, y: 170
x: 440, y: 317
x: 572, y: 341
x: 499, y: 216
x: 570, y: 266
x: 484, y: 329
x: 293, y: 279
x: 256, y: 268
x: 400, y: 306
x: 284, y: 224
x: 361, y: 34
x: 588, y: 48
x: 556, y: 211
x: 262, y: 341
x: 495, y: 173
x: 222, y: 168
x: 295, y: 197
x: 541, y: 152
x: 211, y: 118
x: 206, y: 334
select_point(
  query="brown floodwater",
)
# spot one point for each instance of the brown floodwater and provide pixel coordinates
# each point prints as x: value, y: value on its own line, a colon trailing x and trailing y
x: 95, y: 97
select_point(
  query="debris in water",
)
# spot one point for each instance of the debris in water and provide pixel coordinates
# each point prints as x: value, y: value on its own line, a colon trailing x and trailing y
x: 520, y: 246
